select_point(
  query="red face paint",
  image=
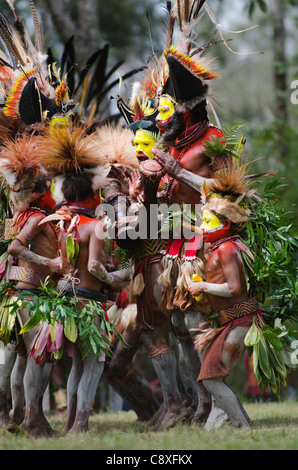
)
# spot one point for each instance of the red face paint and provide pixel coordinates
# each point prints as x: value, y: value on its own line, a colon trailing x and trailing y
x: 211, y: 237
x: 46, y: 201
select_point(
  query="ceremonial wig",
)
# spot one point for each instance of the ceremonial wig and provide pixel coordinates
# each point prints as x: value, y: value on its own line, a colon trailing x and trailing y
x: 228, y: 196
x: 72, y: 158
x: 20, y: 166
x: 115, y: 143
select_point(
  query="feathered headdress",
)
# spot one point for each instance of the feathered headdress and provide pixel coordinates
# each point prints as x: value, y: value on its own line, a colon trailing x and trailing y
x: 115, y: 146
x: 21, y: 168
x: 141, y: 111
x: 25, y: 88
x: 70, y: 152
x: 187, y: 72
x: 228, y: 194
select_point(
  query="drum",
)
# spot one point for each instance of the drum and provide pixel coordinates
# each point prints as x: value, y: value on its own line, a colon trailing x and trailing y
x: 152, y: 170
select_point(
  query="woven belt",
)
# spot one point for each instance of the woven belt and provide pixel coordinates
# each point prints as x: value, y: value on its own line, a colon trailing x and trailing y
x: 18, y: 273
x: 150, y: 247
x: 8, y: 232
x: 247, y: 307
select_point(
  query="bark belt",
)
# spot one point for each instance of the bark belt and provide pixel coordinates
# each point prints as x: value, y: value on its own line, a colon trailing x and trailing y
x: 86, y: 293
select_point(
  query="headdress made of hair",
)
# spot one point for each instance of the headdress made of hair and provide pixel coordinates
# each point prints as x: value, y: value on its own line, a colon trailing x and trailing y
x: 228, y: 194
x: 20, y: 166
x: 115, y: 144
x: 70, y: 151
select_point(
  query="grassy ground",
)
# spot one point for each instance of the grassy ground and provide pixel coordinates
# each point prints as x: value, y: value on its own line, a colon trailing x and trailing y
x: 275, y: 428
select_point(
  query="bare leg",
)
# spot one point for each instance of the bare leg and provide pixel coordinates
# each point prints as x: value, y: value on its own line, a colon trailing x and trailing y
x: 72, y: 388
x: 182, y: 324
x: 223, y: 394
x: 5, y: 371
x: 34, y: 423
x: 86, y: 392
x: 128, y: 382
x: 17, y: 393
x: 228, y: 401
x: 165, y: 365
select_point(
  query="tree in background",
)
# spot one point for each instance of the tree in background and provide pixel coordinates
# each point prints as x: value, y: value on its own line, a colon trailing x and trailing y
x: 259, y: 84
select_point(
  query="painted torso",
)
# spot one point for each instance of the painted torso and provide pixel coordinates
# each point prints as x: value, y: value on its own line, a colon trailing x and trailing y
x: 42, y: 241
x: 225, y: 265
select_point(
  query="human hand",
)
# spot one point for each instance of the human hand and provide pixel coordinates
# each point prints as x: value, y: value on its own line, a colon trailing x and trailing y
x: 118, y: 284
x: 196, y: 288
x: 118, y: 172
x: 56, y: 265
x: 169, y: 163
x: 135, y: 183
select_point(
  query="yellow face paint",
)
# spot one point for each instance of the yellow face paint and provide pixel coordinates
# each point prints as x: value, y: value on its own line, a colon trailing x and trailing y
x: 59, y: 121
x: 143, y: 143
x: 166, y: 109
x: 210, y: 222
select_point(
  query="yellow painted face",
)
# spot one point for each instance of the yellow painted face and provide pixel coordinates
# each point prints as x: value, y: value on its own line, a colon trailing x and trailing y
x: 210, y: 222
x: 166, y: 110
x: 59, y: 121
x: 143, y: 143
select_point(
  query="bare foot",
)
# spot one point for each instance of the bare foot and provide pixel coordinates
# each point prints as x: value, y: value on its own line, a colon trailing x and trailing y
x: 37, y: 430
x: 174, y: 415
x: 4, y: 416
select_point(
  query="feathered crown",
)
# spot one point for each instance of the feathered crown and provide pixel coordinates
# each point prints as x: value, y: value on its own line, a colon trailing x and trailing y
x: 71, y: 152
x: 69, y: 149
x: 228, y: 194
x: 187, y: 72
x: 142, y: 110
x: 24, y: 83
x: 191, y: 64
x: 115, y: 146
x: 18, y: 157
x: 139, y: 114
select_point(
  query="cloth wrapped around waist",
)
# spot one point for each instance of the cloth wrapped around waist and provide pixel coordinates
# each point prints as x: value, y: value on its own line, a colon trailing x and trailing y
x: 149, y: 314
x: 212, y: 339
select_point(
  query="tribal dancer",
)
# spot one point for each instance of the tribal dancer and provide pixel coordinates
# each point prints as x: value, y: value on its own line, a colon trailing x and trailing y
x: 224, y: 216
x: 34, y: 249
x: 152, y: 323
x: 30, y: 101
x: 115, y: 143
x: 184, y: 123
x: 72, y: 159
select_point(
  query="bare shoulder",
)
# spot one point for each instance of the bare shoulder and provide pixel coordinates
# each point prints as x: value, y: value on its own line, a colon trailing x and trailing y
x: 227, y: 249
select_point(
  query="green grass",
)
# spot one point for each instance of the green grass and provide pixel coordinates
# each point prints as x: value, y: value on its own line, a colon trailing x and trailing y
x: 275, y: 428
